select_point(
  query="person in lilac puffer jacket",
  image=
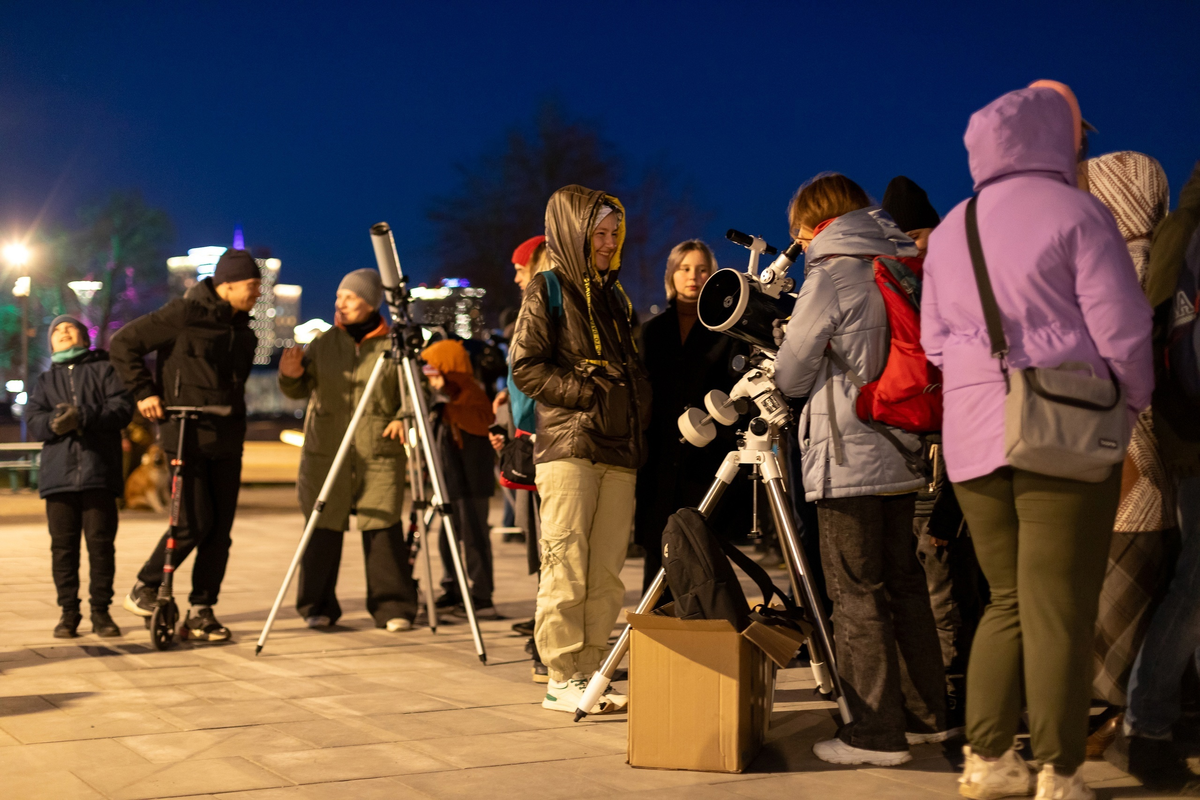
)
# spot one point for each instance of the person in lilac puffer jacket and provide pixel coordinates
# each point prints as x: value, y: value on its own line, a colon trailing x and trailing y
x: 1067, y: 291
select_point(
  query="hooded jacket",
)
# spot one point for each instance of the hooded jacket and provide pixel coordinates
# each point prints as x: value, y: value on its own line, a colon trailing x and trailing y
x: 89, y: 457
x: 371, y: 481
x: 840, y: 306
x: 1063, y: 278
x: 581, y: 365
x: 204, y: 353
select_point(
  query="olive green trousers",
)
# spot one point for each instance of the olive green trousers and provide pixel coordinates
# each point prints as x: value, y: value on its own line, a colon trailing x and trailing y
x: 1042, y: 543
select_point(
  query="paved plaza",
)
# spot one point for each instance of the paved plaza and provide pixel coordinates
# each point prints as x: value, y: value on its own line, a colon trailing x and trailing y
x: 354, y: 713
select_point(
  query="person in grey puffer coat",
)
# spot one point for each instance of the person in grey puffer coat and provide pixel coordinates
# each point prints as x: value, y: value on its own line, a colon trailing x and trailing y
x: 862, y: 485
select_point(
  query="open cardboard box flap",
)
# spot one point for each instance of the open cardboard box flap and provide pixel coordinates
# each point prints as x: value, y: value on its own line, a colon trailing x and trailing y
x: 776, y: 641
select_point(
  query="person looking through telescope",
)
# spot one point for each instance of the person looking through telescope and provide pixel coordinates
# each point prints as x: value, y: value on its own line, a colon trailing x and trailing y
x: 332, y: 374
x: 574, y: 353
x: 862, y: 485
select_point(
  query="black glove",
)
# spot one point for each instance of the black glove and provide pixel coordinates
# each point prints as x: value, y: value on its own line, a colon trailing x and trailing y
x: 67, y: 419
x: 778, y: 331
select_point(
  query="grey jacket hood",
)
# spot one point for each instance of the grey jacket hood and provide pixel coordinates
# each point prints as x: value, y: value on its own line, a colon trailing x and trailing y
x: 866, y: 232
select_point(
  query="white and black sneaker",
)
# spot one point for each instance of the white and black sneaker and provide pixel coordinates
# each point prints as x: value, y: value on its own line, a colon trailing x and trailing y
x: 141, y: 599
x: 835, y: 751
x: 203, y: 627
x: 567, y: 695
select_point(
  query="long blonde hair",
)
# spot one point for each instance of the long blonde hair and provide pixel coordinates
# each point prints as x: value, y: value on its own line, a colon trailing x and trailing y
x: 676, y: 258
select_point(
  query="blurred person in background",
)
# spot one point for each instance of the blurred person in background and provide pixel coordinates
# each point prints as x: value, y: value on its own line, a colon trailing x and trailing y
x: 577, y: 357
x: 78, y: 408
x: 1067, y: 292
x: 463, y: 415
x: 332, y: 373
x: 863, y: 487
x: 204, y: 349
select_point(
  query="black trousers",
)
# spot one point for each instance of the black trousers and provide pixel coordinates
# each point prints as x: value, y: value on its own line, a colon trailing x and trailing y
x: 887, y: 647
x: 471, y: 528
x: 391, y: 592
x: 210, y: 494
x: 94, y: 514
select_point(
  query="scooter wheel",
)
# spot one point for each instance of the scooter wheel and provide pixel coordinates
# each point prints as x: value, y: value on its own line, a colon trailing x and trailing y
x: 162, y: 625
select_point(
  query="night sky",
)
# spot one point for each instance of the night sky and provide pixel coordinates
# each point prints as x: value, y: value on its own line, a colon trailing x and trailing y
x: 308, y: 122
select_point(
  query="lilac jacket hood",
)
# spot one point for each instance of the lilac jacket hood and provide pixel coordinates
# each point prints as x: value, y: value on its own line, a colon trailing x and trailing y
x: 1063, y: 278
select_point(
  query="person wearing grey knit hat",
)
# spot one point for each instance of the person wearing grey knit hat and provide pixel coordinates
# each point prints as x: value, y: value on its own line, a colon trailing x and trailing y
x: 365, y: 283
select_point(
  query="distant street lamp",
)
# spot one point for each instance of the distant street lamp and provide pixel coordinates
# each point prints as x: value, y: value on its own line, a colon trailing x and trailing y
x: 17, y: 255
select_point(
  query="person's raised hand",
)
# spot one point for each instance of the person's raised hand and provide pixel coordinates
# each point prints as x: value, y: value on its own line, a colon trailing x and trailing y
x: 291, y: 363
x: 152, y: 408
x: 497, y: 441
x: 394, y: 431
x: 500, y: 399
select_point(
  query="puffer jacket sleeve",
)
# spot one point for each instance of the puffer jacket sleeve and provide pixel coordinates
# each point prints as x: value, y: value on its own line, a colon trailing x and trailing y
x: 534, y: 349
x: 40, y: 411
x: 115, y: 409
x: 146, y: 334
x: 814, y: 319
x: 934, y: 329
x: 1116, y: 312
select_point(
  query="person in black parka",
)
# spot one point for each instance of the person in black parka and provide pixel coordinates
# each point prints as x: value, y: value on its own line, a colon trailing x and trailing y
x: 685, y: 361
x: 78, y: 408
x: 204, y: 349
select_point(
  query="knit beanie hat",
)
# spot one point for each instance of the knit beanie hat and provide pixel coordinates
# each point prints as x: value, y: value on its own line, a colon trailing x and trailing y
x: 908, y: 204
x: 235, y: 265
x: 365, y: 283
x: 524, y: 251
x: 83, y: 331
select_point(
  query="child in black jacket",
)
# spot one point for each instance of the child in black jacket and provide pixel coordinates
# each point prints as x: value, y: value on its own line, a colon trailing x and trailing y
x: 78, y: 409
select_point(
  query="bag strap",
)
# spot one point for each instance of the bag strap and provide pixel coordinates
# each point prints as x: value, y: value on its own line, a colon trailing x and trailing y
x: 753, y: 570
x: 554, y: 293
x: 991, y: 310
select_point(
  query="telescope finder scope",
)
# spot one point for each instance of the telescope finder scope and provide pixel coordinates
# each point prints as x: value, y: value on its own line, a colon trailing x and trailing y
x: 746, y: 240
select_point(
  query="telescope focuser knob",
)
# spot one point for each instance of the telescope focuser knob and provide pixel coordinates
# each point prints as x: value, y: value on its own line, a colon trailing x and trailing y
x: 787, y: 285
x: 740, y: 363
x: 759, y: 427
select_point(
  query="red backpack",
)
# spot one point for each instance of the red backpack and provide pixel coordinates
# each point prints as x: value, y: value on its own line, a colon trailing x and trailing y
x: 908, y: 395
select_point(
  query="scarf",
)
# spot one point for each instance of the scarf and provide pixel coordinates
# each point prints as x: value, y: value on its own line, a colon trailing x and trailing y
x: 68, y: 355
x: 1134, y: 188
x: 360, y: 330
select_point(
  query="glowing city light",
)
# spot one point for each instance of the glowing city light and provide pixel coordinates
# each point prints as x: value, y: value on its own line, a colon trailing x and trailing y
x: 85, y: 290
x: 15, y: 387
x: 16, y: 254
x: 21, y: 287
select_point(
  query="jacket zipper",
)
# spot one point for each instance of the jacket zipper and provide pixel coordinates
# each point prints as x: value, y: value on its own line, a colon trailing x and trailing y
x: 74, y: 440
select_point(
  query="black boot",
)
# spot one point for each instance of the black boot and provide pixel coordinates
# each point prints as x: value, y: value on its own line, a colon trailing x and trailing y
x: 1158, y: 765
x: 103, y: 625
x: 68, y: 623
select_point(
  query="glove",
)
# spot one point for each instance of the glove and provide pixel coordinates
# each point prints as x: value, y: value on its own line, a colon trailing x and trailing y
x: 67, y: 419
x: 778, y: 331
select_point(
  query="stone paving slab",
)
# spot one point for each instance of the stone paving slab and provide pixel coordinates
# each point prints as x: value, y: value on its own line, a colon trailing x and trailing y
x: 353, y: 713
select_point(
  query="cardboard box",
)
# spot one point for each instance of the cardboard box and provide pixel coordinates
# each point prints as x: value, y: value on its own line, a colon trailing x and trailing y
x: 699, y: 694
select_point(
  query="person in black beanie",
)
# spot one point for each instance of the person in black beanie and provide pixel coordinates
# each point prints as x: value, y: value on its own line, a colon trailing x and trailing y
x: 907, y: 204
x: 204, y: 350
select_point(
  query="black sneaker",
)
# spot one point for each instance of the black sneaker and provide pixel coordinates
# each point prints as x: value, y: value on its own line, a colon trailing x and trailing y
x: 68, y: 623
x: 1160, y: 767
x: 141, y: 599
x: 540, y: 673
x: 103, y: 625
x: 483, y: 610
x: 525, y: 627
x: 203, y: 627
x: 447, y: 601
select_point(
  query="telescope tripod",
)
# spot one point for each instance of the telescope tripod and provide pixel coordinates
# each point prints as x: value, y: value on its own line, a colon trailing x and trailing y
x: 754, y: 450
x: 423, y: 463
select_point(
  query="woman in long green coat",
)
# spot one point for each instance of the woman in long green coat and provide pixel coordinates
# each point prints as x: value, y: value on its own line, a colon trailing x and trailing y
x: 332, y: 373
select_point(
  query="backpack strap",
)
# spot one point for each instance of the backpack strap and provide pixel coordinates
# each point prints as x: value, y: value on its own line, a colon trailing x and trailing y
x: 755, y: 572
x: 554, y: 293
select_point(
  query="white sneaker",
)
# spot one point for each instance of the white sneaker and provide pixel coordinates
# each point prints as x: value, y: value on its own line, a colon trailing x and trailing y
x: 318, y: 622
x: 1053, y: 786
x: 567, y: 695
x: 1007, y: 776
x: 936, y: 737
x: 835, y: 751
x: 397, y: 624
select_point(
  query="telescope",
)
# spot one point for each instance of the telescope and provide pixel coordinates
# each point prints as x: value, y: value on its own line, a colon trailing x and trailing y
x: 746, y: 304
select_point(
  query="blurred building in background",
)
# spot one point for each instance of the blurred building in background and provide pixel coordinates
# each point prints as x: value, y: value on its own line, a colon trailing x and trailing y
x: 454, y: 305
x: 287, y: 314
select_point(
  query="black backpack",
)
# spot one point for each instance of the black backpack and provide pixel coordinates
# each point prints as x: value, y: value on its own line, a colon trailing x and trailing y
x: 1177, y: 384
x: 702, y: 580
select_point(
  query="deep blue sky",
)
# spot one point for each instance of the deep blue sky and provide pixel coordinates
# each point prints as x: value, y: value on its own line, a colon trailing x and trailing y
x: 307, y: 122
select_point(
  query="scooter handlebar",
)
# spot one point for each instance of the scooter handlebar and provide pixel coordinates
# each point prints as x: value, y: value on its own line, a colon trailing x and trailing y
x: 215, y: 411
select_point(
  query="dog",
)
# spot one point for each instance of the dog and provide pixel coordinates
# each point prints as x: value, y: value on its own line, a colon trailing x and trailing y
x: 149, y: 485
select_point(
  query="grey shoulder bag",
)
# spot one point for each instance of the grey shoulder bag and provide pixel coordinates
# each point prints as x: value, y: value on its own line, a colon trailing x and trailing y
x: 1056, y: 421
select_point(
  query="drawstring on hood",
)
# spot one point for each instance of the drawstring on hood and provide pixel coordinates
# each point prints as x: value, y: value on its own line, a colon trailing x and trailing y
x: 571, y: 217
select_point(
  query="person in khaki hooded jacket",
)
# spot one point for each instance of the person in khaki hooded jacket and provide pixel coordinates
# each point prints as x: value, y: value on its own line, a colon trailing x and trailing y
x: 577, y: 358
x: 332, y: 373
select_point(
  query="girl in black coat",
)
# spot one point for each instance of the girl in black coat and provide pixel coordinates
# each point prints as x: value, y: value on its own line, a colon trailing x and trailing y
x: 78, y: 409
x: 685, y: 361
